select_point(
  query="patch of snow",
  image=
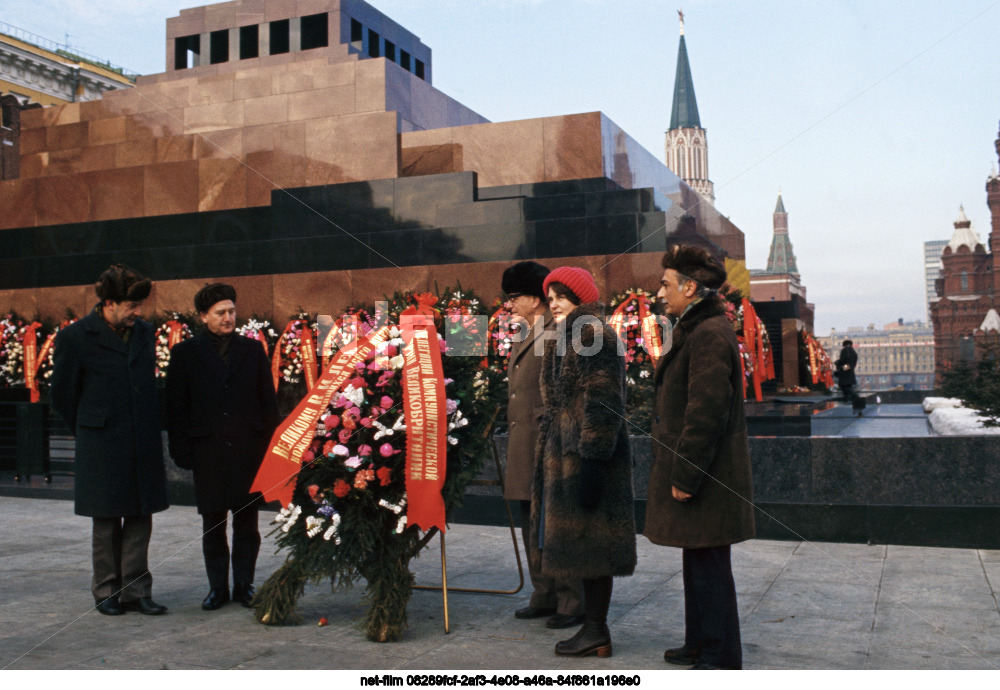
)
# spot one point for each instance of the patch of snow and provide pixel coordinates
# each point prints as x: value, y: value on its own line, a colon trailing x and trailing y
x: 931, y: 404
x: 959, y: 421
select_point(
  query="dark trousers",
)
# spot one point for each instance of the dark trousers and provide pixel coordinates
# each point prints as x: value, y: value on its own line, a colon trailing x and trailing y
x: 246, y: 546
x: 711, y: 618
x: 120, y: 547
x: 565, y: 596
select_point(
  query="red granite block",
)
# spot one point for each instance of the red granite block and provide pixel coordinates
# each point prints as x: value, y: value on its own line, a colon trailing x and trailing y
x: 109, y: 130
x: 34, y: 165
x: 67, y: 136
x: 222, y: 184
x: 17, y: 199
x: 572, y: 145
x: 62, y: 199
x: 319, y: 103
x: 129, y: 154
x: 171, y: 188
x: 116, y: 193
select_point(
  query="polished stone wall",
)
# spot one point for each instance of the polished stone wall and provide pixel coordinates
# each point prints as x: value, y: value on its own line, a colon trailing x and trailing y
x: 323, y: 248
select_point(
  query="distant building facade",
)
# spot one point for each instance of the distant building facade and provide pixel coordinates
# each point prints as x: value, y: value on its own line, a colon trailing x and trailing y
x: 932, y: 270
x: 900, y: 356
x: 968, y: 286
x: 687, y: 141
x: 37, y: 70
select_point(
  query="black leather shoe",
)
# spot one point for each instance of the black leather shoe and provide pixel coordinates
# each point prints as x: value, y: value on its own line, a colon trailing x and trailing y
x: 110, y: 607
x: 593, y: 638
x: 682, y: 656
x: 702, y: 666
x: 145, y: 606
x: 563, y: 620
x: 243, y: 594
x: 534, y: 612
x: 215, y: 599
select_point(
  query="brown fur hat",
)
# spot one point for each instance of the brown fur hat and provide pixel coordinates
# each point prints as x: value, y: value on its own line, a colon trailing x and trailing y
x: 695, y: 263
x: 120, y: 283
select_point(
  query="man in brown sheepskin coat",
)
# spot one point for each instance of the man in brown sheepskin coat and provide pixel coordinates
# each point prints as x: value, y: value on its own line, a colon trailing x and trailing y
x: 700, y: 486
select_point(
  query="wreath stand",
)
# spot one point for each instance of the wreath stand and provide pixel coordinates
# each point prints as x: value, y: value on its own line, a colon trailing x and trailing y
x: 499, y: 481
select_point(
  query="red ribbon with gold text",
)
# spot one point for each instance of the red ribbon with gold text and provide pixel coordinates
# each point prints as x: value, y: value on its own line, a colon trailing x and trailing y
x: 425, y: 406
x: 307, y: 350
x: 275, y: 478
x: 754, y: 345
x: 648, y: 328
x: 29, y: 344
x: 175, y: 333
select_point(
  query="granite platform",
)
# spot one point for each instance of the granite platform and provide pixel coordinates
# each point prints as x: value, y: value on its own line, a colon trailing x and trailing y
x: 803, y: 605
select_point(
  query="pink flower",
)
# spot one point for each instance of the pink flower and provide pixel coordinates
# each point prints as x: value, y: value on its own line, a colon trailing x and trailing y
x: 376, y: 412
x: 443, y: 346
x: 308, y: 457
x: 360, y: 366
x: 385, y: 379
x: 354, y: 462
x: 366, y: 422
x: 331, y: 421
x: 386, y: 450
x: 452, y: 405
x: 386, y: 402
x: 392, y: 350
x: 357, y: 382
x: 374, y: 366
x: 342, y: 401
x: 341, y: 450
x: 344, y: 435
x: 364, y: 450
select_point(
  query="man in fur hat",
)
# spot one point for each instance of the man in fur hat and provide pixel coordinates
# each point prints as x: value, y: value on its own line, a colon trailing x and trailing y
x: 104, y: 386
x: 559, y: 600
x: 700, y: 488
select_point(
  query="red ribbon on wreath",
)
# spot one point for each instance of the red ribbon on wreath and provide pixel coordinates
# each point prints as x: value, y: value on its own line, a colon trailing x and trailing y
x: 648, y: 327
x: 29, y: 345
x: 426, y: 410
x: 276, y: 476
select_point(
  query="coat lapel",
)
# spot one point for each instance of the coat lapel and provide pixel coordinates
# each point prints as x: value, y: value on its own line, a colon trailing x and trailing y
x: 105, y: 336
x: 528, y: 343
x: 209, y: 355
x: 238, y: 351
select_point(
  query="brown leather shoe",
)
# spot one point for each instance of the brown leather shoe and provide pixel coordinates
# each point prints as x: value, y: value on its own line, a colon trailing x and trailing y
x: 216, y: 599
x: 243, y: 594
x: 145, y: 606
x: 110, y: 607
x: 682, y: 656
x: 534, y: 612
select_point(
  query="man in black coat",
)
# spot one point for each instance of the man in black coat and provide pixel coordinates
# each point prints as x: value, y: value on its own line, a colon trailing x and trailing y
x: 221, y: 412
x: 845, y: 365
x: 104, y: 386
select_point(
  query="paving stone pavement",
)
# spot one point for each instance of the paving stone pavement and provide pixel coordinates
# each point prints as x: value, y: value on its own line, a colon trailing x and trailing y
x: 803, y: 606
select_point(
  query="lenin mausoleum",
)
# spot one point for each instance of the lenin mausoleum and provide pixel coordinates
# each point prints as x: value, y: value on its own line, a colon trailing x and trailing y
x: 299, y: 150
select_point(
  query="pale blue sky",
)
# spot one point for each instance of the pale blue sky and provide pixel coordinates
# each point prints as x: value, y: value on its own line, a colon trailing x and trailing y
x: 875, y: 119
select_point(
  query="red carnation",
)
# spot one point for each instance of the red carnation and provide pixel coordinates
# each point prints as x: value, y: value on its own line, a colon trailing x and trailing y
x: 384, y: 476
x: 341, y: 488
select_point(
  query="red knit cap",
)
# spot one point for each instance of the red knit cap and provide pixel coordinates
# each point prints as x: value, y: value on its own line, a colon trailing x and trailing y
x: 578, y: 280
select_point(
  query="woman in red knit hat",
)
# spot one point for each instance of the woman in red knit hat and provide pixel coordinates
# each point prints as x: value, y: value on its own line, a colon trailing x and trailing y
x: 582, y: 520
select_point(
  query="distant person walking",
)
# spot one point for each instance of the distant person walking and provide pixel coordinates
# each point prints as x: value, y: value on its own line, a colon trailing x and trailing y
x: 700, y: 488
x: 221, y: 412
x: 845, y: 365
x: 104, y: 386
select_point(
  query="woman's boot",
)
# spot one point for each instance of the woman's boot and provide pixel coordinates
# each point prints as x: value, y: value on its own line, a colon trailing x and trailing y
x: 594, y: 637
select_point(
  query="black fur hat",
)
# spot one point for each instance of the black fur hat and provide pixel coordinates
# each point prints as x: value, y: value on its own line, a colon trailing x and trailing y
x: 525, y: 278
x: 212, y: 293
x: 696, y: 263
x: 120, y: 283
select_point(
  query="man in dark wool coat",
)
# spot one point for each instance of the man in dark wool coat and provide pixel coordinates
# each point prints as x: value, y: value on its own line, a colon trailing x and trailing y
x: 221, y: 412
x: 560, y: 599
x: 104, y: 386
x: 700, y: 488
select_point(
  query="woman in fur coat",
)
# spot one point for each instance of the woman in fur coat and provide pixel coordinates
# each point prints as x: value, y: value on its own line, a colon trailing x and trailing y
x: 582, y: 520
